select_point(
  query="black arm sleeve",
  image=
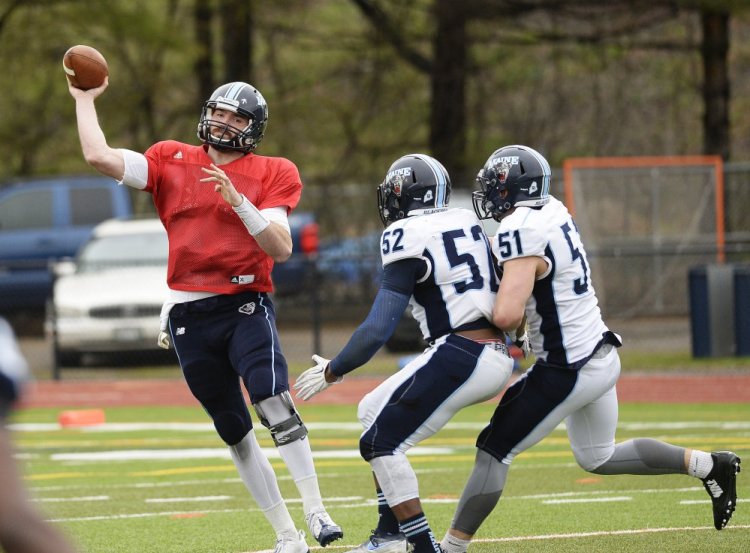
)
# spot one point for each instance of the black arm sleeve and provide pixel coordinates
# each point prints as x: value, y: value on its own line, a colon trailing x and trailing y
x: 396, y: 288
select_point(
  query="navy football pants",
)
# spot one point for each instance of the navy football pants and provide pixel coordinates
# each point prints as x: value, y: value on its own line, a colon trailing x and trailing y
x: 221, y: 340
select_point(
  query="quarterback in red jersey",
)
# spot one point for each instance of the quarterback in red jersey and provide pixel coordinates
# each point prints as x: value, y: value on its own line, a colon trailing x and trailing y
x: 225, y: 210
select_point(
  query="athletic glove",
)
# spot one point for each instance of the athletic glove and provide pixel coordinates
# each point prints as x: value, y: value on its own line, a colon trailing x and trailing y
x: 164, y: 340
x: 313, y: 380
x: 520, y: 338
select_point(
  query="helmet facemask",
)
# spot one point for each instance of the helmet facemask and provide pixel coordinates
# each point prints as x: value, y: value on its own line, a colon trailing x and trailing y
x: 415, y: 183
x: 513, y: 176
x: 389, y: 199
x: 229, y: 137
x: 492, y: 199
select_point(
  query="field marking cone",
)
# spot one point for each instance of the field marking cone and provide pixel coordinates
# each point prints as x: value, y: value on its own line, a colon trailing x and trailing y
x: 81, y: 417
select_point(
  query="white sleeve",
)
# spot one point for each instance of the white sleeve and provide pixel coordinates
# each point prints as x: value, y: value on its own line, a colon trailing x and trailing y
x: 277, y: 215
x: 12, y: 362
x: 136, y: 169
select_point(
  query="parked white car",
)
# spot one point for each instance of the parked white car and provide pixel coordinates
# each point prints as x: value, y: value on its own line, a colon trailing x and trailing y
x: 109, y: 298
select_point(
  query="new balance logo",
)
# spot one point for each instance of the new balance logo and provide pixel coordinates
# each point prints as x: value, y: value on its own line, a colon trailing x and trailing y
x: 180, y: 331
x: 714, y: 488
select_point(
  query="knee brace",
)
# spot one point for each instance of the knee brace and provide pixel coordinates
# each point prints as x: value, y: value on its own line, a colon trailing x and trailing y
x: 278, y: 414
x: 396, y: 478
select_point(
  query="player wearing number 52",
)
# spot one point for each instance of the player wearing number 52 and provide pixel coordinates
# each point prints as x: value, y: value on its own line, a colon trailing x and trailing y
x: 546, y: 278
x: 438, y: 259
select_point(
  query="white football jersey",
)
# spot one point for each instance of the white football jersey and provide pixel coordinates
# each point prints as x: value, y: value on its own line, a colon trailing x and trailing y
x: 565, y: 323
x: 458, y: 291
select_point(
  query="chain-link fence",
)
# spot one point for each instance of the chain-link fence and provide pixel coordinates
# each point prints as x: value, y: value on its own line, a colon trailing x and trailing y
x: 647, y: 222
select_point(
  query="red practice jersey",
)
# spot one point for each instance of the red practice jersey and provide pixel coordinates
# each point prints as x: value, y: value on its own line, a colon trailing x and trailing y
x: 210, y: 249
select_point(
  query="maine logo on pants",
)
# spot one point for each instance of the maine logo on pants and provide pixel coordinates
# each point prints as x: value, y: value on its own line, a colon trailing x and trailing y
x: 248, y: 308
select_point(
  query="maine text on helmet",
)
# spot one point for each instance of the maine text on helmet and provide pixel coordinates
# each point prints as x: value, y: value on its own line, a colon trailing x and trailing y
x: 510, y: 160
x: 403, y: 172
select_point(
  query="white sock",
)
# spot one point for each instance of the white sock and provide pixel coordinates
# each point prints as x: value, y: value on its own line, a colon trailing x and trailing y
x: 256, y: 472
x: 299, y: 460
x: 281, y: 520
x: 452, y: 544
x: 310, y: 493
x: 700, y: 464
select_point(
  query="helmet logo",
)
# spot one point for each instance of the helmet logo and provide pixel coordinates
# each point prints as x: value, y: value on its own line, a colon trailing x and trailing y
x: 502, y: 168
x: 397, y: 179
x: 398, y: 183
x: 533, y: 188
x: 427, y: 196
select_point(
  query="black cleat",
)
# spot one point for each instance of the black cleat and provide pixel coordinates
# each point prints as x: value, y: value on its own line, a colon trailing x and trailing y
x: 721, y: 485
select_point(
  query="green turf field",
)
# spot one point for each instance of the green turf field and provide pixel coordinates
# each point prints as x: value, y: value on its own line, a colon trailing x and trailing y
x: 159, y: 480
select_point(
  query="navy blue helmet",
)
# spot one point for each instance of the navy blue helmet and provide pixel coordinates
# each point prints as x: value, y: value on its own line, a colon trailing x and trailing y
x: 242, y: 99
x: 513, y: 176
x: 413, y: 182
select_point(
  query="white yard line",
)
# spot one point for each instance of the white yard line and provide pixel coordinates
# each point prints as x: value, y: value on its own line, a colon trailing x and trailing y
x: 68, y: 499
x: 188, y: 499
x: 220, y: 453
x: 572, y: 535
x: 350, y: 426
x: 586, y: 500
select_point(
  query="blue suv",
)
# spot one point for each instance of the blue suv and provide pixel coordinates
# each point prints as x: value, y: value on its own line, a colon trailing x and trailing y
x: 44, y: 220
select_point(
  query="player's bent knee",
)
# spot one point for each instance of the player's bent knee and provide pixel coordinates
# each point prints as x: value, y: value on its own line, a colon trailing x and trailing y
x: 230, y: 427
x: 371, y: 447
x: 242, y: 449
x: 367, y: 450
x: 592, y: 461
x: 279, y: 415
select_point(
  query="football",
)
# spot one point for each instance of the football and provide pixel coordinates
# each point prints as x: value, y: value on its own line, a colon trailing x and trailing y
x: 85, y: 67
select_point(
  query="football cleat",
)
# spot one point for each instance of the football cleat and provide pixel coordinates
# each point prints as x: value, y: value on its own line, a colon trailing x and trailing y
x: 384, y: 543
x: 292, y: 544
x: 721, y: 485
x: 322, y: 527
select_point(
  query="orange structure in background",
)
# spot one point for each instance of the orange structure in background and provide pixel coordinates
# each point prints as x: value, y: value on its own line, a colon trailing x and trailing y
x: 571, y: 164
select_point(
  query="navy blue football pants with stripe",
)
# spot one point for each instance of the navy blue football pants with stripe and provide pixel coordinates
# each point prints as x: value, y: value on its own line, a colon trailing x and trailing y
x: 224, y: 340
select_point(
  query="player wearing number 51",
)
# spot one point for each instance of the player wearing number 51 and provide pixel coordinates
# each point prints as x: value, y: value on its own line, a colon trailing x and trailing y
x: 547, y: 279
x: 438, y: 259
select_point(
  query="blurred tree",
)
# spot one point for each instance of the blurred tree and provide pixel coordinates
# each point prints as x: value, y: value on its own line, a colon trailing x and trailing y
x: 237, y: 39
x: 350, y: 90
x: 715, y: 55
x: 535, y: 22
x: 204, y: 60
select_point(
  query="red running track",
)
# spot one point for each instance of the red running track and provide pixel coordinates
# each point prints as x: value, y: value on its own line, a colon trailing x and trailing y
x: 733, y: 388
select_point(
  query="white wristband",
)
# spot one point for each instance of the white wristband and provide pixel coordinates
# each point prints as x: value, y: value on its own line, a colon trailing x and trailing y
x: 251, y: 217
